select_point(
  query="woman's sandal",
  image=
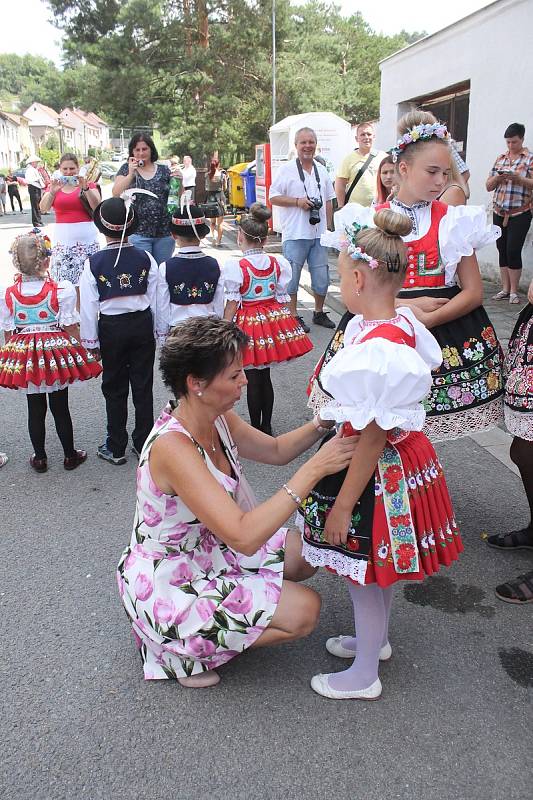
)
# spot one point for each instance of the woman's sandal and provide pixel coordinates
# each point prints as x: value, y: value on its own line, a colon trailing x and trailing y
x: 3, y: 459
x: 514, y: 540
x: 519, y: 591
x: 500, y: 295
x: 514, y: 299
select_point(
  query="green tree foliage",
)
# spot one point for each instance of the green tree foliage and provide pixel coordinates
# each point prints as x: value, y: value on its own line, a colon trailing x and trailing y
x: 201, y: 69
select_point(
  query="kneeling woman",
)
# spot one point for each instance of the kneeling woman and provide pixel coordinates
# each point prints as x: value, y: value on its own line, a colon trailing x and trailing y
x: 207, y: 574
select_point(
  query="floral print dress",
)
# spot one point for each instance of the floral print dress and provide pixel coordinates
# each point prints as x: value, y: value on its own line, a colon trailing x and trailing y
x: 193, y: 602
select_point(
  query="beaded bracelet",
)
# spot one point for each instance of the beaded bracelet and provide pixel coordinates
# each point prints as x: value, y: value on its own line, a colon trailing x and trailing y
x: 292, y: 495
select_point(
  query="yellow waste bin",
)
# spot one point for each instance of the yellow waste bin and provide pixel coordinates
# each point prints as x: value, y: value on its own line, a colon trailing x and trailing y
x: 236, y: 186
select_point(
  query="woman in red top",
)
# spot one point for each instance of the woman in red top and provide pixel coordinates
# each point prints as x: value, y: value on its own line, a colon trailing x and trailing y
x: 75, y: 236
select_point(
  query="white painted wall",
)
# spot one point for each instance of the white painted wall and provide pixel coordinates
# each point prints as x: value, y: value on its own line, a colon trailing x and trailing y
x: 491, y: 48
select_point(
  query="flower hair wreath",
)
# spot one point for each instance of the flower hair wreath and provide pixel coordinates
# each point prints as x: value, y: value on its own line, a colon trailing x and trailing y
x: 419, y: 133
x: 353, y: 250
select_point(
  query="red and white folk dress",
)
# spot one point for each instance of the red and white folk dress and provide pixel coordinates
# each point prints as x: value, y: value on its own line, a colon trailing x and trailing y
x: 40, y: 356
x: 258, y: 282
x: 403, y: 527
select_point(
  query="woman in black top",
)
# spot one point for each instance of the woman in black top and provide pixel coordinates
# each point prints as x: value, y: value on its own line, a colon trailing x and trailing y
x: 142, y: 171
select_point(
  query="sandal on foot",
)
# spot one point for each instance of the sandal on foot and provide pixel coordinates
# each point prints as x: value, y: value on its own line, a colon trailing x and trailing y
x: 514, y: 299
x: 514, y: 540
x: 201, y: 681
x: 500, y: 295
x: 3, y: 459
x: 519, y: 591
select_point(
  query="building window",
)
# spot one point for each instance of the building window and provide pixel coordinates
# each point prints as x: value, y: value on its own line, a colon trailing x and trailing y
x: 451, y: 106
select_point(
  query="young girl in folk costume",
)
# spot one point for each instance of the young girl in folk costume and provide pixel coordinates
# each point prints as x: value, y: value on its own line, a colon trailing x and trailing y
x: 518, y: 410
x: 443, y: 284
x: 42, y: 354
x: 389, y: 516
x: 190, y: 284
x: 255, y: 288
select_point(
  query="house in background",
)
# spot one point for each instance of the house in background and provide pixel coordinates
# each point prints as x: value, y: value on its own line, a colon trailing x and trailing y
x: 89, y: 129
x: 475, y: 75
x: 42, y: 121
x: 10, y: 147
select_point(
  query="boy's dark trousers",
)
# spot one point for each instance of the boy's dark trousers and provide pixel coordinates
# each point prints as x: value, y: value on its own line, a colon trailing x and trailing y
x: 127, y: 346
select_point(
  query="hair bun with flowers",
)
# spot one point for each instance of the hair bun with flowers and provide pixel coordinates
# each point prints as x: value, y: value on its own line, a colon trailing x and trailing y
x: 419, y: 133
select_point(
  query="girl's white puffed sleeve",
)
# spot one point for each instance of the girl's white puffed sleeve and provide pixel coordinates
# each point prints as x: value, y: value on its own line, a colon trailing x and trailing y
x: 232, y: 280
x: 462, y: 231
x: 377, y: 380
x: 67, y: 298
x: 426, y: 345
x: 284, y: 279
x: 7, y: 321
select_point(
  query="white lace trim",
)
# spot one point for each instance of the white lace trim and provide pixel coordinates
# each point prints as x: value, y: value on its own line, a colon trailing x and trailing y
x: 318, y: 399
x: 519, y: 423
x: 462, y: 423
x: 343, y: 565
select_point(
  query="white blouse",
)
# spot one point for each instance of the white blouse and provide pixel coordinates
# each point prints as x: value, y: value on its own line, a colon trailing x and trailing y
x: 462, y: 231
x: 233, y: 278
x: 66, y: 297
x: 170, y: 314
x: 379, y: 379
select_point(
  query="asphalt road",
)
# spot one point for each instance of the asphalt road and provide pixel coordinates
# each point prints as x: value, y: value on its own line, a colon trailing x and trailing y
x: 79, y: 721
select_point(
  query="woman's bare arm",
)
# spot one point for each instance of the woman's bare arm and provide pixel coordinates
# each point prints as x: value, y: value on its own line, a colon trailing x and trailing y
x: 178, y: 469
x: 258, y: 446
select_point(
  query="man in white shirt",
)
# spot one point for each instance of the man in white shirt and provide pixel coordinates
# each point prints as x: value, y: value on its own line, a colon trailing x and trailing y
x: 296, y: 187
x: 35, y: 184
x: 188, y: 173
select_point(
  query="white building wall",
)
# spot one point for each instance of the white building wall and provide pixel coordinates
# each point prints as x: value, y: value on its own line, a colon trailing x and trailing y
x: 491, y: 48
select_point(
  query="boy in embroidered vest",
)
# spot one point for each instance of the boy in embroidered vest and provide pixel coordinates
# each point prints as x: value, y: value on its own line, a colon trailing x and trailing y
x: 118, y: 289
x: 189, y: 284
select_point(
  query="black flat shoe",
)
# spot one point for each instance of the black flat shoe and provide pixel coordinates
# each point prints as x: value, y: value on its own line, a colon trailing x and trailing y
x: 71, y: 462
x: 38, y: 464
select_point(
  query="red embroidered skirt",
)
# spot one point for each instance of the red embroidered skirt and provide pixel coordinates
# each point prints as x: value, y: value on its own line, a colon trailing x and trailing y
x: 274, y: 334
x: 403, y: 528
x: 45, y: 362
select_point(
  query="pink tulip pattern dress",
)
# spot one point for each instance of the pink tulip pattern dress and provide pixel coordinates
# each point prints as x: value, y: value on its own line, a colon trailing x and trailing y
x: 193, y: 602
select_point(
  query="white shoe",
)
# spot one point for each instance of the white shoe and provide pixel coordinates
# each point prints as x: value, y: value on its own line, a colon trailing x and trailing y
x: 319, y: 683
x: 336, y: 648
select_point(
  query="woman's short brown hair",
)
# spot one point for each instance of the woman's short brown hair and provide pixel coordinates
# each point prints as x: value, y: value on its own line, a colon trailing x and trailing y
x: 202, y: 347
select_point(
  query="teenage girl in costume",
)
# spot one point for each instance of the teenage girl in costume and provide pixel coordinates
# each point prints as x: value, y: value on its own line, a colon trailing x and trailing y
x: 256, y: 294
x: 389, y: 516
x: 518, y: 410
x: 42, y: 355
x: 443, y: 284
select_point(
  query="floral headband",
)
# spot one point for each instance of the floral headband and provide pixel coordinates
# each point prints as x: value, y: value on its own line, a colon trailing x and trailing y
x: 44, y: 246
x: 422, y: 133
x: 353, y: 249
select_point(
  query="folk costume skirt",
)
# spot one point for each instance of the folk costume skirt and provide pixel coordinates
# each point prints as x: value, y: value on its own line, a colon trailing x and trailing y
x: 467, y: 392
x: 518, y: 370
x: 402, y: 528
x: 274, y: 335
x: 44, y: 361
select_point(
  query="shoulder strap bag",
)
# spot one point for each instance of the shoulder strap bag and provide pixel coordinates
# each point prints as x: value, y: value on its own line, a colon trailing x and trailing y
x: 358, y: 177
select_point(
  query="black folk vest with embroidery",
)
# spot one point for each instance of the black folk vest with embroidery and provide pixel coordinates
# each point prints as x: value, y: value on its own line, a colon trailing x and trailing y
x: 192, y: 281
x: 129, y: 277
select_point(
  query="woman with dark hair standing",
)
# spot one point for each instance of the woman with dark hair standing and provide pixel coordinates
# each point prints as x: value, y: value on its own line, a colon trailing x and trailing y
x: 215, y: 185
x: 143, y: 172
x: 511, y: 180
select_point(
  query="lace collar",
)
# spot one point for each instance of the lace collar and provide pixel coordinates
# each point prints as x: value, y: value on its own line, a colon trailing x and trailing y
x: 253, y: 251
